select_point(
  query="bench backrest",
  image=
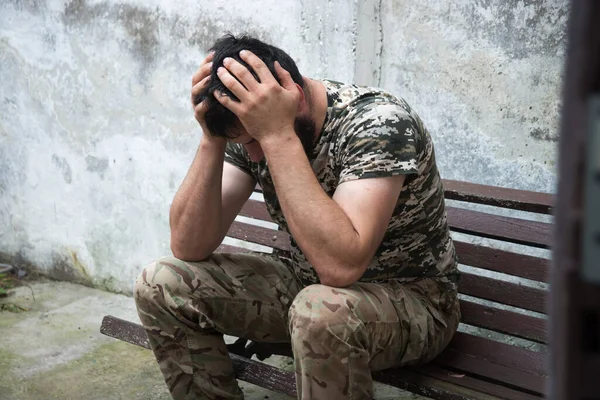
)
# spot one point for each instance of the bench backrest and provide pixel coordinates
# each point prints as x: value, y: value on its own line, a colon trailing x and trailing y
x: 501, y: 303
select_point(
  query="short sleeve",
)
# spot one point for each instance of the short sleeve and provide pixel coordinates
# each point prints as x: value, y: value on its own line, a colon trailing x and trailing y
x: 236, y: 156
x: 378, y: 139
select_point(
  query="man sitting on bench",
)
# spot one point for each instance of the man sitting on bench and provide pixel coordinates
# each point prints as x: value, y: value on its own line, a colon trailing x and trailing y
x: 350, y: 173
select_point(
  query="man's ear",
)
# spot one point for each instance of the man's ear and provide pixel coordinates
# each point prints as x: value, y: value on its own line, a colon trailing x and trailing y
x: 303, y: 103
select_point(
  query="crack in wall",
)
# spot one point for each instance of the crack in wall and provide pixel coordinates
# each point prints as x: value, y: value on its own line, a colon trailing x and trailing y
x: 368, y: 59
x: 380, y: 52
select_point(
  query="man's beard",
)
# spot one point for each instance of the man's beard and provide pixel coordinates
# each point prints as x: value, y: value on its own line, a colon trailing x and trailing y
x: 306, y: 131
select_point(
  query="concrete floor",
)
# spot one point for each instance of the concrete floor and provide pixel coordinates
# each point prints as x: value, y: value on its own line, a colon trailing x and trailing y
x: 54, y: 350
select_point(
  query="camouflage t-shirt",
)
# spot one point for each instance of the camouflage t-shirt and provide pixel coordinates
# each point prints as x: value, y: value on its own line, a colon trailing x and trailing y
x: 371, y: 133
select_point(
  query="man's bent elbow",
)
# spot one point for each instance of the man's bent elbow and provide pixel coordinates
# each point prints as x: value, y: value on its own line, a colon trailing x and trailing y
x: 342, y: 277
x: 189, y: 256
x: 186, y: 252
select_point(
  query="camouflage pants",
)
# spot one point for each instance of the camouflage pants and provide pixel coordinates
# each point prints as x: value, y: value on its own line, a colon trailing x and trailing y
x: 338, y: 335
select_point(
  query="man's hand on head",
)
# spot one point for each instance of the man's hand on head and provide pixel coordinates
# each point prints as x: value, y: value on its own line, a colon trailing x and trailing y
x: 266, y: 107
x: 199, y: 81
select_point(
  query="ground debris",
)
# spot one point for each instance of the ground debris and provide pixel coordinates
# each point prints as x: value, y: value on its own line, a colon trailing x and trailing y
x: 10, y: 281
x: 12, y: 307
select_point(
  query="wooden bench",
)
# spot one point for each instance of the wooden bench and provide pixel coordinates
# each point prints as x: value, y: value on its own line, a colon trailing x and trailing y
x: 476, y: 365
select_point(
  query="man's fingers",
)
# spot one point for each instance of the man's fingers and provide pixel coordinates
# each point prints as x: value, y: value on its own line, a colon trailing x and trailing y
x: 258, y: 66
x: 197, y: 76
x: 232, y: 84
x: 241, y: 73
x: 228, y: 102
x: 200, y: 110
x: 198, y: 88
x: 286, y: 79
x: 202, y: 72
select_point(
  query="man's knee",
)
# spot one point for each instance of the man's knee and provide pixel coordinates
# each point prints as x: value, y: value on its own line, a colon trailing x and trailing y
x: 318, y: 312
x: 166, y: 279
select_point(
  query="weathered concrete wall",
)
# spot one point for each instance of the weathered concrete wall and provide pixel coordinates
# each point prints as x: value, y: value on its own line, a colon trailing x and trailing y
x: 96, y: 131
x: 486, y: 78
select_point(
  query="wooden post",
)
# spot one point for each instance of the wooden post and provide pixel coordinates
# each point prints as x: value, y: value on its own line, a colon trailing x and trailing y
x: 575, y: 296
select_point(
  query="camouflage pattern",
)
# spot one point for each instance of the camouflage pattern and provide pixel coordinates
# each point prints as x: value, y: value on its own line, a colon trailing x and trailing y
x: 338, y: 335
x: 369, y: 133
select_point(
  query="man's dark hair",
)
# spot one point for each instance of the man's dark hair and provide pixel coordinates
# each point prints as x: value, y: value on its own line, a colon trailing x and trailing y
x: 220, y: 120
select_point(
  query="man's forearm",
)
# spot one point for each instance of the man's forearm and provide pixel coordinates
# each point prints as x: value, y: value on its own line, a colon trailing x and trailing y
x: 195, y: 215
x: 318, y: 224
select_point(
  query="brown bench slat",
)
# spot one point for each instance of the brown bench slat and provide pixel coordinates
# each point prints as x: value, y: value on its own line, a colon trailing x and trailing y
x: 264, y: 375
x: 431, y: 387
x: 509, y: 229
x: 478, y: 367
x: 496, y: 361
x: 514, y: 230
x: 508, y: 293
x: 256, y: 209
x: 260, y: 235
x: 478, y: 385
x: 524, y: 266
x: 504, y: 321
x: 494, y: 196
x: 499, y: 196
x: 501, y: 353
x: 124, y: 330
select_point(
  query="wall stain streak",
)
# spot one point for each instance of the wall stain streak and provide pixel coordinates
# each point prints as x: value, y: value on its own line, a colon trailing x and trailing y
x: 64, y: 167
x: 140, y: 24
x: 144, y: 27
